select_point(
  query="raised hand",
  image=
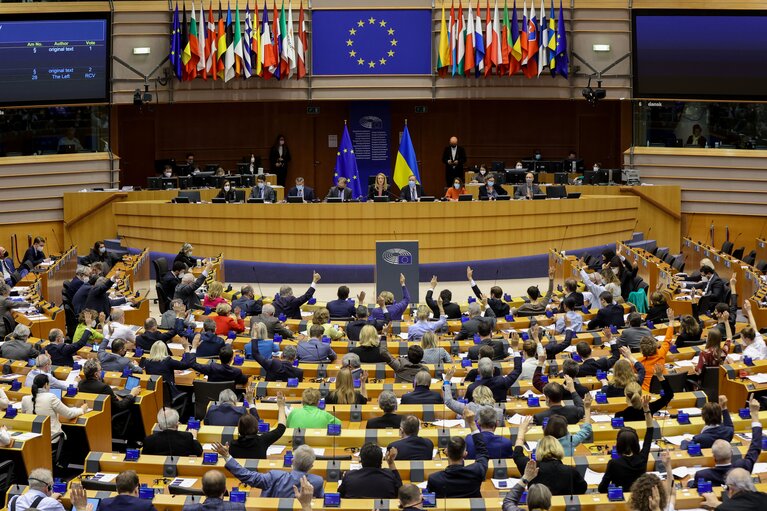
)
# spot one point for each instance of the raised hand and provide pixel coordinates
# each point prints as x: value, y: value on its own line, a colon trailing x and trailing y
x: 316, y: 277
x: 433, y: 282
x: 469, y: 273
x: 361, y: 298
x: 723, y: 402
x: 221, y: 449
x: 401, y: 279
x: 531, y: 471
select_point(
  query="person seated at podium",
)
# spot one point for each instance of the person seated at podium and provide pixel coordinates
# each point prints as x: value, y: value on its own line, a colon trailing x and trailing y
x: 456, y: 190
x: 340, y: 191
x: 220, y: 172
x: 185, y: 256
x: 34, y: 253
x: 412, y: 192
x: 696, y: 139
x: 528, y: 189
x: 262, y: 190
x: 167, y: 171
x: 193, y: 167
x: 480, y: 175
x: 490, y: 190
x: 69, y: 143
x: 300, y: 190
x: 227, y: 192
x: 380, y: 188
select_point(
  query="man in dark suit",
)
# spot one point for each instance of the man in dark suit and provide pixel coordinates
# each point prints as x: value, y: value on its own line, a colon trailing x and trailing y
x: 471, y: 327
x: 412, y: 191
x: 411, y: 446
x: 343, y: 307
x: 454, y: 158
x: 98, y: 297
x: 302, y: 191
x: 152, y: 335
x: 485, y: 339
x: 713, y: 288
x: 168, y: 441
x: 372, y: 481
x: 571, y: 291
x: 291, y: 305
x: 280, y: 369
x: 591, y: 365
x: 82, y: 275
x: 226, y: 412
x: 741, y: 494
x: 224, y: 371
x: 172, y: 278
x: 610, y: 314
x: 554, y: 395
x: 491, y: 190
x: 353, y: 328
x: 214, y: 488
x: 452, y: 310
x: 262, y: 190
x: 247, y: 302
x: 186, y: 290
x: 498, y: 385
x: 340, y: 191
x: 61, y: 352
x: 127, y: 483
x: 421, y: 395
x: 387, y: 402
x: 498, y: 447
x: 34, y: 254
x: 459, y: 480
x: 495, y: 301
x: 273, y: 325
x: 80, y: 297
x: 6, y: 262
x: 92, y: 384
x: 528, y: 189
x: 210, y: 343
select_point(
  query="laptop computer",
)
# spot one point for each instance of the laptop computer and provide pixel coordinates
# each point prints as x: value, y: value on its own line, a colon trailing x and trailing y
x: 465, y: 197
x: 426, y: 198
x: 574, y: 195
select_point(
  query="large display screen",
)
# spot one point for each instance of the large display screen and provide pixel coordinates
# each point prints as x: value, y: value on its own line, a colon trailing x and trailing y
x: 699, y: 54
x: 61, y: 59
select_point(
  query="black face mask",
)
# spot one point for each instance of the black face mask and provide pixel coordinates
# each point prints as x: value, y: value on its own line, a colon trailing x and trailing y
x: 5, y: 255
x: 453, y: 146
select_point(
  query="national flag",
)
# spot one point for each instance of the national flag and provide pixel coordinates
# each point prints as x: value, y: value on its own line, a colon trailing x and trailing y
x: 406, y: 164
x: 496, y: 48
x: 531, y: 69
x: 239, y: 55
x: 479, y: 44
x: 443, y: 50
x: 220, y: 44
x: 523, y: 35
x: 229, y: 55
x: 452, y: 31
x: 290, y: 40
x: 256, y: 43
x: 488, y: 39
x: 268, y: 62
x: 247, y: 46
x: 277, y: 44
x: 543, y: 47
x: 193, y: 46
x: 460, y: 35
x: 284, y: 59
x: 184, y: 42
x: 202, y: 41
x: 563, y: 60
x: 346, y: 165
x: 210, y: 43
x: 552, y: 35
x: 301, y: 45
x: 468, y: 64
x: 505, y: 40
x: 515, y: 52
x: 175, y: 45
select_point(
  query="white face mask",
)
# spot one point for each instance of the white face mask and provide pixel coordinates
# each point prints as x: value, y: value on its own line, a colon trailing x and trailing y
x: 93, y: 323
x: 299, y: 187
x: 457, y: 186
x: 102, y: 250
x: 260, y: 185
x: 490, y: 183
x: 703, y: 278
x: 518, y: 166
x: 412, y: 184
x: 529, y: 181
x: 482, y: 171
x: 226, y: 188
x: 168, y: 174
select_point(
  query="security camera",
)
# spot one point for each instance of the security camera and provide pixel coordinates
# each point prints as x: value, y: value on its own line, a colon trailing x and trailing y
x: 137, y: 97
x: 592, y: 96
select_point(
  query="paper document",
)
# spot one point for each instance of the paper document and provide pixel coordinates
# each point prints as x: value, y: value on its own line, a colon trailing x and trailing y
x: 104, y: 477
x: 23, y: 437
x: 758, y: 378
x: 274, y: 450
x: 677, y: 439
x: 759, y: 468
x: 448, y: 423
x: 72, y: 377
x: 183, y: 482
x: 600, y: 417
x: 505, y: 484
x: 592, y: 477
x: 515, y: 419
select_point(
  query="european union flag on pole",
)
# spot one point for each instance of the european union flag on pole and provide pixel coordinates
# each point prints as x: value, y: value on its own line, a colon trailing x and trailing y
x: 346, y: 164
x: 407, y: 164
x: 175, y: 45
x: 563, y: 60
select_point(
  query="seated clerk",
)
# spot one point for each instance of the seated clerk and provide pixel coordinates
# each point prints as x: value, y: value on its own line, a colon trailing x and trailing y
x: 633, y: 393
x: 289, y: 304
x: 185, y: 256
x: 395, y: 309
x: 387, y: 402
x: 247, y: 302
x: 571, y: 291
x: 554, y: 393
x: 456, y: 190
x: 635, y: 332
x: 227, y: 192
x: 61, y: 352
x: 223, y: 371
x: 410, y: 446
x: 353, y: 328
x: 485, y: 351
x: 590, y: 365
x: 116, y: 360
x: 626, y: 370
x: 34, y: 254
x: 658, y: 308
x: 282, y: 368
x: 536, y: 303
x: 632, y: 460
x: 343, y: 307
x: 452, y: 310
x: 227, y: 322
x: 528, y: 189
x: 459, y: 480
x: 491, y: 190
x: 252, y: 444
x: 168, y: 441
x: 485, y: 331
x: 94, y: 384
x: 495, y: 301
x: 151, y: 334
x: 609, y: 314
x: 172, y: 278
x: 421, y: 394
x: 722, y: 452
x: 471, y: 327
x: 412, y: 191
x: 571, y: 320
x: 555, y: 475
x: 303, y: 191
x: 371, y: 481
x: 498, y: 446
x: 718, y: 424
x: 210, y: 343
x: 569, y: 369
x: 654, y: 355
x: 340, y: 191
x: 313, y: 349
x: 499, y: 385
x: 380, y: 188
x: 225, y: 411
x: 262, y: 190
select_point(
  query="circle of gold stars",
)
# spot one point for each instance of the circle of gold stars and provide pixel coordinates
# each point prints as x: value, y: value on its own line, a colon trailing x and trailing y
x: 338, y: 153
x: 371, y: 23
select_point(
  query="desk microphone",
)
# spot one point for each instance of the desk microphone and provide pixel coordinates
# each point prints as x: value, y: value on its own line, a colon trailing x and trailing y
x: 562, y: 243
x: 255, y: 274
x: 689, y: 225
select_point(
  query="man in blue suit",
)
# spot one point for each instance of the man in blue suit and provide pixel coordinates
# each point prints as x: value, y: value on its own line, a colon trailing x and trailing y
x: 302, y: 191
x: 226, y: 412
x: 127, y: 495
x: 718, y: 424
x: 8, y: 267
x: 498, y: 447
x: 214, y: 487
x: 343, y: 308
x: 411, y: 446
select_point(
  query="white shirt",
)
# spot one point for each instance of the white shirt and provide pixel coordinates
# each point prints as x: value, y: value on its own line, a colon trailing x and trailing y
x: 48, y: 404
x: 528, y: 368
x: 757, y: 350
x: 115, y: 330
x: 453, y: 150
x: 54, y: 382
x: 25, y: 501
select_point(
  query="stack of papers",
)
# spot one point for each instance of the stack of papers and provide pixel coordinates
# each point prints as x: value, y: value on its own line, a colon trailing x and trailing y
x: 758, y: 378
x: 592, y: 477
x: 600, y: 417
x: 183, y: 482
x: 759, y: 468
x: 515, y: 419
x: 685, y: 363
x: 23, y: 437
x: 72, y: 377
x: 677, y: 439
x: 104, y: 477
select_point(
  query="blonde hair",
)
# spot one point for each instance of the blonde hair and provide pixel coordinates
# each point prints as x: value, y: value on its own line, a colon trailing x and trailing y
x: 623, y: 373
x: 388, y: 297
x: 215, y: 289
x: 423, y: 313
x: 223, y: 309
x: 159, y: 351
x: 258, y: 331
x: 634, y: 395
x: 483, y: 396
x: 429, y: 340
x: 706, y: 262
x: 549, y: 448
x: 369, y: 337
x: 386, y: 180
x: 321, y: 316
x: 345, y: 394
x: 310, y: 397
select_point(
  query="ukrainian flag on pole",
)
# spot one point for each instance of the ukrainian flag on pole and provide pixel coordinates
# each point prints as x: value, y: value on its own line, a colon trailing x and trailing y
x: 406, y: 164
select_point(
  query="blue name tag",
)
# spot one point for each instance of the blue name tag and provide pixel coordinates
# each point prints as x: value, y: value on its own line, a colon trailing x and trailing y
x: 237, y: 496
x: 292, y: 382
x: 210, y: 458
x: 146, y: 493
x: 533, y: 401
x: 601, y: 398
x: 616, y: 422
x: 332, y: 499
x: 704, y: 486
x: 131, y: 454
x: 334, y: 429
x: 683, y: 418
x: 744, y: 413
x: 614, y: 493
x: 694, y: 449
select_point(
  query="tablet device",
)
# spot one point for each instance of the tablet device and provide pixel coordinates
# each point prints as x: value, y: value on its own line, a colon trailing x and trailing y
x: 255, y: 200
x: 385, y: 198
x: 132, y: 382
x: 94, y: 502
x: 56, y: 392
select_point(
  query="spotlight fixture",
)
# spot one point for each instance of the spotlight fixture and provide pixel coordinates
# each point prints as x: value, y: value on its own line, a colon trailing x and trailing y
x: 592, y: 96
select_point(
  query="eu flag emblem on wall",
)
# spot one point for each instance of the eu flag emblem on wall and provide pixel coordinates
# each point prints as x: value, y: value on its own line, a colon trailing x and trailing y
x: 377, y: 42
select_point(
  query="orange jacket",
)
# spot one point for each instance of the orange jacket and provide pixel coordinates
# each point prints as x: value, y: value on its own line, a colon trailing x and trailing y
x: 650, y: 362
x: 226, y: 323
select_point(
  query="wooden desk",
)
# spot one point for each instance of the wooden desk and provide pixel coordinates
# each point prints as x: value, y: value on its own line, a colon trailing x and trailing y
x: 33, y: 453
x: 724, y: 264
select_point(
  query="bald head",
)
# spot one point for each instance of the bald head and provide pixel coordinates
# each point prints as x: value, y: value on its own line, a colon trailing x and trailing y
x: 453, y: 141
x: 722, y: 452
x: 214, y: 484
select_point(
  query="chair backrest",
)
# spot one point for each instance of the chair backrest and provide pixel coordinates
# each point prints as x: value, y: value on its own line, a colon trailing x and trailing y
x: 160, y: 266
x: 66, y: 294
x: 6, y: 477
x: 162, y: 299
x: 9, y: 323
x: 738, y: 253
x: 709, y: 383
x: 727, y: 247
x: 676, y: 381
x: 678, y: 263
x: 205, y: 392
x: 750, y: 259
x: 668, y: 258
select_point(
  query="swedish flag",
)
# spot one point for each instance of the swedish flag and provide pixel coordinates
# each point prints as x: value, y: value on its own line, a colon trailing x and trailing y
x: 406, y: 164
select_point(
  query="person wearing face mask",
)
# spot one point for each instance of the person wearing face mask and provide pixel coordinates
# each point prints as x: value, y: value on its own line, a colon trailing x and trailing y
x: 301, y: 190
x: 480, y: 175
x: 99, y: 254
x: 380, y: 188
x: 185, y: 256
x: 340, y: 190
x: 412, y: 192
x: 279, y: 158
x: 519, y: 166
x: 528, y: 189
x: 167, y: 171
x: 490, y: 190
x: 34, y: 254
x: 454, y: 158
x: 537, y: 155
x: 456, y: 190
x: 172, y: 278
x: 227, y: 192
x: 262, y: 190
x: 8, y: 267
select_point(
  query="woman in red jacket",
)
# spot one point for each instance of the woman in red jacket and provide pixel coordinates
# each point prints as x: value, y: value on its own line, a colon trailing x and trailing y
x: 456, y: 190
x: 225, y: 321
